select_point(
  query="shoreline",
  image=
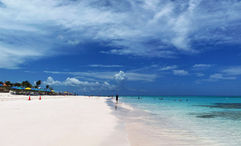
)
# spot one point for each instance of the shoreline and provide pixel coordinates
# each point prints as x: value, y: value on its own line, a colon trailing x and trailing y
x: 144, y: 129
x: 84, y: 120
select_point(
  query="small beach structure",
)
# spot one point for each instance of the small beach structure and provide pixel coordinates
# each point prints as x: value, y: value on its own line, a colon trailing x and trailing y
x: 4, y: 88
x: 1, y: 87
x: 29, y: 91
x: 17, y: 90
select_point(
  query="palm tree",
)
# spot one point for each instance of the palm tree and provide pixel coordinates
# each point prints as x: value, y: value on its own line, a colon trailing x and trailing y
x: 38, y: 83
x: 17, y: 84
x: 47, y: 86
x: 26, y: 84
x: 8, y: 83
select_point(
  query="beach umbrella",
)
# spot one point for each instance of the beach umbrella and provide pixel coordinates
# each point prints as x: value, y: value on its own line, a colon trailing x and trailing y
x: 14, y: 87
x: 27, y: 88
x: 1, y: 85
x: 17, y: 88
x: 20, y: 88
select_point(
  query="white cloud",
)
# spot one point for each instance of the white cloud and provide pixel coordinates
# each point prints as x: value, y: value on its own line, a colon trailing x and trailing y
x: 154, y: 28
x: 230, y: 73
x: 200, y: 74
x: 130, y: 76
x: 12, y: 57
x: 235, y: 71
x: 105, y: 66
x: 219, y: 76
x: 120, y: 76
x: 96, y: 75
x: 180, y: 72
x: 74, y: 82
x: 51, y: 81
x: 202, y: 66
x: 141, y: 77
x: 172, y: 67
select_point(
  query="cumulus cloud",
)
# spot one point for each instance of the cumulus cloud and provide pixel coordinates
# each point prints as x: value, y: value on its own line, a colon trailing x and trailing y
x: 154, y: 28
x: 74, y: 82
x: 180, y: 72
x: 130, y: 76
x: 51, y: 81
x: 120, y: 76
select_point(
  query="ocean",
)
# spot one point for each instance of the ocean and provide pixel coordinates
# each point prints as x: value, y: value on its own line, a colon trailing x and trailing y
x: 187, y: 120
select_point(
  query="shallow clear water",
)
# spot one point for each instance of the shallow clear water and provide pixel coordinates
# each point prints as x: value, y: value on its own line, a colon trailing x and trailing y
x: 212, y: 120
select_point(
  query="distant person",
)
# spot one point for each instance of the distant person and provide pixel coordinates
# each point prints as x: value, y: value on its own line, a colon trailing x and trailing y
x: 117, y: 98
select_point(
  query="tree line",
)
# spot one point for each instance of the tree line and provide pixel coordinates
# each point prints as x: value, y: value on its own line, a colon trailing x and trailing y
x: 25, y: 84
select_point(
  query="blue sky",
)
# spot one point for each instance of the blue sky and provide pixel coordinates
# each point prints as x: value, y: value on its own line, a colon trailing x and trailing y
x: 131, y: 47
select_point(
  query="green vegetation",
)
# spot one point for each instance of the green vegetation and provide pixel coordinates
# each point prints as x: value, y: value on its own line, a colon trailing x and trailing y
x: 26, y: 88
x: 8, y: 85
x: 38, y: 83
x: 24, y: 84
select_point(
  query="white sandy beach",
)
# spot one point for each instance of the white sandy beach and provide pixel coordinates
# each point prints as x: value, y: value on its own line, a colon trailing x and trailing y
x: 59, y: 121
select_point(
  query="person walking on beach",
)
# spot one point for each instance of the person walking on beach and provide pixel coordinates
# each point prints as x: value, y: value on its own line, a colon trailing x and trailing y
x: 117, y: 98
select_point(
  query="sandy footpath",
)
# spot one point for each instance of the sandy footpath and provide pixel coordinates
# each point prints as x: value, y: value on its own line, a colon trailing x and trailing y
x: 59, y: 121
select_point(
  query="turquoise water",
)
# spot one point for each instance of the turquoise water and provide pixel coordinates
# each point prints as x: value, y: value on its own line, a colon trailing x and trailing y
x: 215, y: 120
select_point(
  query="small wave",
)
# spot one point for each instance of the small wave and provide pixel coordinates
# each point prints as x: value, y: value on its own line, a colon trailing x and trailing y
x: 126, y: 106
